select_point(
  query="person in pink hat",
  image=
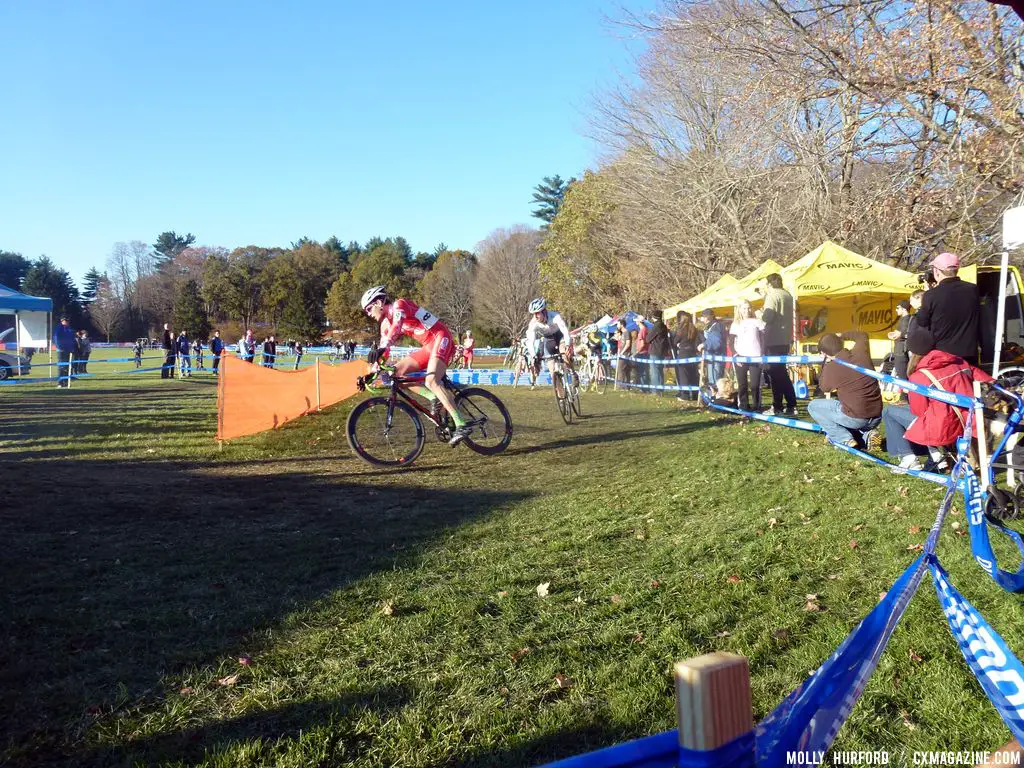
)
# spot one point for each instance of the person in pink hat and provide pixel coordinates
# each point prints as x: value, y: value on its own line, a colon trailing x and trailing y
x: 951, y: 310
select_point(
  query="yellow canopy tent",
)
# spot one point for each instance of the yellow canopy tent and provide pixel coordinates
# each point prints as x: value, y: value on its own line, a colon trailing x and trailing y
x: 838, y: 290
x: 692, y: 305
x: 725, y: 299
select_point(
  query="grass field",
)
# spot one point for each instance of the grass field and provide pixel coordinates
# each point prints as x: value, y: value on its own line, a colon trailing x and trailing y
x: 278, y: 602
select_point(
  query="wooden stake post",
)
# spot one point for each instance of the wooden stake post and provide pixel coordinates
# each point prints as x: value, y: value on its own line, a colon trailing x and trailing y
x: 713, y: 700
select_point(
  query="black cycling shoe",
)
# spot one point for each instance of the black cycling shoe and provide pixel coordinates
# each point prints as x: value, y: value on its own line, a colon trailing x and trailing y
x: 460, y: 434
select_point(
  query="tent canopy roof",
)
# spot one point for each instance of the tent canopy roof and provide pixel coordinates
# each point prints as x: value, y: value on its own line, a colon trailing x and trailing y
x: 831, y: 271
x: 693, y: 304
x: 14, y: 301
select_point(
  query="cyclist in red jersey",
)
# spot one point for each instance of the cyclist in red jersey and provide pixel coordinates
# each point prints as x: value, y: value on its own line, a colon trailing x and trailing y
x: 401, y: 317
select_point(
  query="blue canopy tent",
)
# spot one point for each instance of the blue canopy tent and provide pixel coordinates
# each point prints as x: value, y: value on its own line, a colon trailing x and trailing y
x: 31, y: 318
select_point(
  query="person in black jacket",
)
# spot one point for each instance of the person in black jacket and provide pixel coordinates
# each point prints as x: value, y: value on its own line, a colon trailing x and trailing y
x: 169, y: 343
x: 951, y: 310
x: 216, y: 347
x: 269, y: 352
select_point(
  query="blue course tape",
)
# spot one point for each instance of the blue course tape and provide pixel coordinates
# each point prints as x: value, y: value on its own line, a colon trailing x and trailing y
x: 663, y: 751
x: 981, y: 546
x: 998, y: 671
x: 931, y: 477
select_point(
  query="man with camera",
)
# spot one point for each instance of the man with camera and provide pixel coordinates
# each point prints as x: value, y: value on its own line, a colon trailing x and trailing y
x: 950, y: 310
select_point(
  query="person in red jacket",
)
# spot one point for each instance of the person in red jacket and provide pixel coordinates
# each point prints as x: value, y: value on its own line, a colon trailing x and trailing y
x: 909, y: 431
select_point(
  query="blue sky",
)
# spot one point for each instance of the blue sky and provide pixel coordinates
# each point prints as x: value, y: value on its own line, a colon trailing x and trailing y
x: 257, y: 123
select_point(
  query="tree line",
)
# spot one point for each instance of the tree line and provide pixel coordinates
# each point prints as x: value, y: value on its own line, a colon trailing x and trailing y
x: 300, y: 292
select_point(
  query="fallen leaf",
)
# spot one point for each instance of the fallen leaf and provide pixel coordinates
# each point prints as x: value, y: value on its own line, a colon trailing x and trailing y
x: 772, y: 522
x: 734, y: 579
x: 915, y: 547
x: 808, y: 479
x: 812, y: 607
x: 638, y: 637
x: 853, y: 543
x: 906, y: 720
x: 915, y: 657
x: 229, y: 680
x: 961, y: 533
x: 188, y: 690
x: 616, y: 599
x: 245, y: 661
x: 655, y: 583
x: 520, y: 653
x: 562, y: 681
x: 503, y: 691
x: 881, y: 595
x: 914, y: 529
x: 579, y: 599
x: 640, y: 536
x: 833, y: 576
x: 503, y: 593
x: 898, y: 510
x: 543, y: 589
x: 858, y: 527
x: 902, y: 491
x: 955, y: 525
x: 388, y: 608
x: 811, y: 597
x: 723, y: 633
x: 782, y: 635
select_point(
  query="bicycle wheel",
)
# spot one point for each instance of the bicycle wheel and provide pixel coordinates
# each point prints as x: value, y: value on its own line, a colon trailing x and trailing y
x: 583, y: 374
x: 558, y: 384
x: 484, y: 411
x: 573, y: 392
x: 385, y: 440
x: 601, y: 377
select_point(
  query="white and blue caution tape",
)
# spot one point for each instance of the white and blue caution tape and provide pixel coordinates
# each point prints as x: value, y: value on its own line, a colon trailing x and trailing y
x: 993, y: 663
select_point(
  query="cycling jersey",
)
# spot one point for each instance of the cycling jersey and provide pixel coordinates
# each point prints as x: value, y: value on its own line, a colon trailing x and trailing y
x: 406, y: 318
x: 552, y: 330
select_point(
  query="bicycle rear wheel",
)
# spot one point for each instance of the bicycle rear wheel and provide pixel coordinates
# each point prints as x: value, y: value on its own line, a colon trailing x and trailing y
x: 385, y: 439
x: 484, y: 411
x: 561, y: 397
x: 601, y: 377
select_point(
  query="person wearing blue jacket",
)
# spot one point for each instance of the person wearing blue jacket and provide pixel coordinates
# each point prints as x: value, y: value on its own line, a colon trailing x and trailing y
x: 184, y: 354
x: 714, y: 344
x: 216, y: 347
x: 64, y: 339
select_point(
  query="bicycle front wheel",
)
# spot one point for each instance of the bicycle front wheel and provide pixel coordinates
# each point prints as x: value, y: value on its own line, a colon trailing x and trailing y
x: 561, y: 397
x: 385, y: 436
x: 484, y: 411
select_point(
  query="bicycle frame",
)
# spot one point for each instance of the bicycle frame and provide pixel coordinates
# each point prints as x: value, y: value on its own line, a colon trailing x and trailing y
x: 398, y: 386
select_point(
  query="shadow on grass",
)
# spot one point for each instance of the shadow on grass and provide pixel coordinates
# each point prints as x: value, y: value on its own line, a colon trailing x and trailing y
x: 119, y: 573
x: 673, y: 430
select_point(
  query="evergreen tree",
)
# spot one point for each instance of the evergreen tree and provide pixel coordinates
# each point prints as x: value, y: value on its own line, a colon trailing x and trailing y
x: 90, y: 284
x: 168, y: 245
x: 13, y: 267
x: 190, y: 312
x: 548, y: 197
x: 45, y: 279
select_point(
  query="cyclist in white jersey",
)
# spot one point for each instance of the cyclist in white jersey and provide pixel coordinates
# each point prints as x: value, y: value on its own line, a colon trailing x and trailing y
x: 547, y: 327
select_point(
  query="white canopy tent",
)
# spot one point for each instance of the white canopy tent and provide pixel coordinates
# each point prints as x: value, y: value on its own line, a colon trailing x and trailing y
x: 31, y: 318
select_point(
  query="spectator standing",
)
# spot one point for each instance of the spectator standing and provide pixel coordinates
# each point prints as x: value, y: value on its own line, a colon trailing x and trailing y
x: 467, y: 349
x: 84, y: 351
x: 216, y: 347
x: 927, y: 422
x: 269, y: 352
x: 641, y: 350
x: 197, y: 351
x: 624, y: 368
x: 748, y: 332
x: 777, y: 315
x: 858, y: 405
x: 900, y: 355
x: 951, y: 310
x: 714, y: 344
x: 138, y: 353
x: 299, y: 351
x: 65, y: 340
x: 660, y: 349
x: 185, y: 354
x: 685, y: 338
x: 247, y: 347
x: 169, y: 346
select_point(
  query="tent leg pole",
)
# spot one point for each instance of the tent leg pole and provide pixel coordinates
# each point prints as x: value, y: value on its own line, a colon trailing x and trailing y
x: 1004, y: 262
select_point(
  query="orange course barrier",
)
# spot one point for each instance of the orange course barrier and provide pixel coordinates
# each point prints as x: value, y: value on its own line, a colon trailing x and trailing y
x: 251, y: 398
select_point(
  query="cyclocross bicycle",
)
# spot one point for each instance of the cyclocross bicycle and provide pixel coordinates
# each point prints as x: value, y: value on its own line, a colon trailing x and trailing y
x: 566, y: 384
x: 595, y: 374
x: 387, y: 430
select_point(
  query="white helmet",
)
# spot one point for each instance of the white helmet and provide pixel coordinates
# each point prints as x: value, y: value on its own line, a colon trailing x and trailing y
x: 372, y: 294
x: 538, y: 305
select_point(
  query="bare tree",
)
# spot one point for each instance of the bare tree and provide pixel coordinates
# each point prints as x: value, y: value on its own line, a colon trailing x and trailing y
x: 107, y: 310
x: 447, y: 288
x: 507, y: 279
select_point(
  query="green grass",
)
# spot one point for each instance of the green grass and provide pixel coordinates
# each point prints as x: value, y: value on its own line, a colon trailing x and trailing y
x: 393, y: 618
